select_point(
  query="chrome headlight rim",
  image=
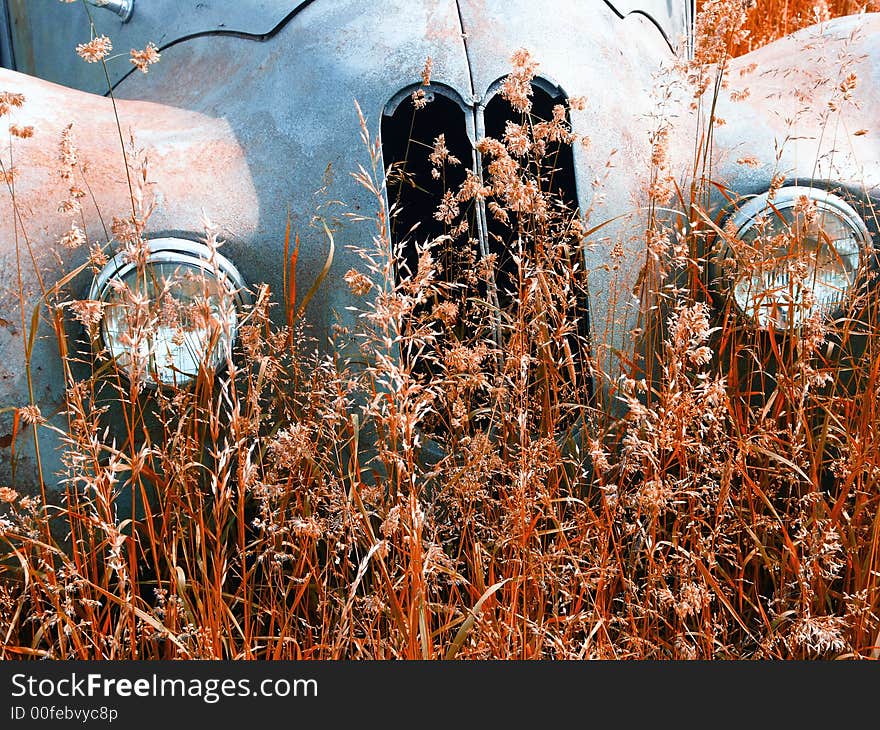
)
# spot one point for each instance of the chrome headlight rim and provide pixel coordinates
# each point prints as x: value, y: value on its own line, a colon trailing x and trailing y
x: 173, y: 250
x: 751, y: 212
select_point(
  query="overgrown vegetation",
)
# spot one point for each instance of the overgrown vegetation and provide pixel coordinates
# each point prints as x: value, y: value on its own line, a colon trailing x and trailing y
x: 767, y: 20
x: 468, y: 492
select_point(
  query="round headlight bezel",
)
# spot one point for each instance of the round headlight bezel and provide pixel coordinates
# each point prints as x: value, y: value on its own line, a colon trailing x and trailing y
x: 757, y: 208
x: 176, y: 251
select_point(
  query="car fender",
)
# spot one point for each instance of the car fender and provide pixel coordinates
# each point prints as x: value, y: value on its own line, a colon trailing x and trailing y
x: 785, y: 108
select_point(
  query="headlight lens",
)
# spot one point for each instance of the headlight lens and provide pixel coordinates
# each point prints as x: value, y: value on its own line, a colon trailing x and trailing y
x: 793, y: 257
x: 171, y: 316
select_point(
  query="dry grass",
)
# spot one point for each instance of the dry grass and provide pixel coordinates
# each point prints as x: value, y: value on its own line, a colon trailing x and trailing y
x: 291, y: 507
x: 768, y: 20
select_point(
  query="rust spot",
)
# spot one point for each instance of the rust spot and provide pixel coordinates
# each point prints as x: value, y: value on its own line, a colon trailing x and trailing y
x: 5, y: 441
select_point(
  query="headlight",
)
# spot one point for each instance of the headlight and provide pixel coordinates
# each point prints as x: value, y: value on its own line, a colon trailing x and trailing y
x: 171, y: 316
x: 793, y: 257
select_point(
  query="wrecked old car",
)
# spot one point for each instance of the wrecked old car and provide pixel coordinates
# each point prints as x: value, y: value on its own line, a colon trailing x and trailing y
x: 251, y: 120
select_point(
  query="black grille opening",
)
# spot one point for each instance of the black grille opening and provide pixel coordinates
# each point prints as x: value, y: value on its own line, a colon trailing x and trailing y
x: 414, y: 190
x: 515, y: 239
x: 486, y: 294
x: 416, y: 185
x: 554, y: 170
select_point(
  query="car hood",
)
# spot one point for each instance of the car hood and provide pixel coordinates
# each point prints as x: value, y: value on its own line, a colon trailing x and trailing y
x: 44, y: 35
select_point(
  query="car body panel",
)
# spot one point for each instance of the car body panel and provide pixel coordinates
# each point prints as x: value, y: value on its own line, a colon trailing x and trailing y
x: 293, y: 153
x: 579, y: 55
x: 202, y: 165
x: 787, y: 113
x: 674, y: 17
x: 44, y: 33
